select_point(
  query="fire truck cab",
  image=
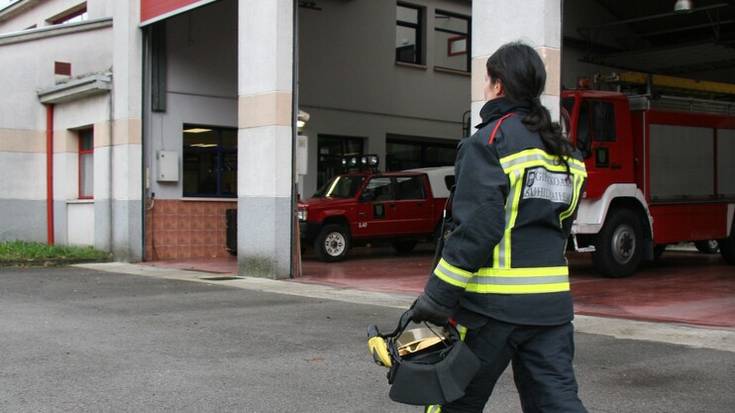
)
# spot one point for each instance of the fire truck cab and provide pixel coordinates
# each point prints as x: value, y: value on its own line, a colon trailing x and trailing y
x: 661, y: 171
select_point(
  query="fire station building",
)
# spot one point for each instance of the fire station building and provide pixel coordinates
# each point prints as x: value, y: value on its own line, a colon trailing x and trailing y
x: 133, y: 126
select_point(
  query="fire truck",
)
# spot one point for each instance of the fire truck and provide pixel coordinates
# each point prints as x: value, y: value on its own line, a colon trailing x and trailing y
x: 661, y: 165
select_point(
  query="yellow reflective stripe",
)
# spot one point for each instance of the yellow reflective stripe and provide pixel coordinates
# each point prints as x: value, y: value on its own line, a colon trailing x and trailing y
x: 527, y: 152
x: 578, y: 181
x: 513, y: 216
x: 528, y: 280
x: 547, y: 165
x: 521, y: 158
x: 462, y: 330
x: 435, y: 408
x: 452, y: 275
x: 517, y: 289
x: 453, y: 269
x: 496, y: 253
x: 523, y: 272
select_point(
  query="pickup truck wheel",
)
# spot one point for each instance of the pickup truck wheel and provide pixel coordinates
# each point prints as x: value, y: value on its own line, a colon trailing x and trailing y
x: 707, y: 247
x: 727, y: 249
x: 404, y: 246
x: 332, y: 243
x: 619, y: 245
x: 658, y: 251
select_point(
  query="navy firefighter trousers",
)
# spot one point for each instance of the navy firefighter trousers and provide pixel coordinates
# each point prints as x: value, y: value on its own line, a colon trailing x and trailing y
x: 542, y: 367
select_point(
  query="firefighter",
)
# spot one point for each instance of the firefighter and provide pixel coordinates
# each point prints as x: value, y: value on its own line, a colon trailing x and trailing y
x: 503, y: 274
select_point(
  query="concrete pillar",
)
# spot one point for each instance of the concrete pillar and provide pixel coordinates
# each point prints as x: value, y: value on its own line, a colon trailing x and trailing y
x: 265, y: 73
x: 535, y: 22
x: 117, y: 159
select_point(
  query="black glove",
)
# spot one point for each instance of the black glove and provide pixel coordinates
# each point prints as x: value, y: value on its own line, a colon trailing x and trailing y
x: 426, y: 309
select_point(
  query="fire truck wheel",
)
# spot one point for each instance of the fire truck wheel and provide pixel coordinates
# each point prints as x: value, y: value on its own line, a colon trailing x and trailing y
x: 707, y: 247
x: 332, y: 243
x: 619, y: 244
x: 404, y: 246
x: 727, y: 249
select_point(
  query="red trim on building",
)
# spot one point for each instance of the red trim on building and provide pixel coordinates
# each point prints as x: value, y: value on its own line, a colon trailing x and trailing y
x: 50, y: 174
x: 150, y: 9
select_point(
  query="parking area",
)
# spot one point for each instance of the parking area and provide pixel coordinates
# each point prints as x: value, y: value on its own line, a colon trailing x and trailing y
x: 684, y: 286
x: 82, y: 340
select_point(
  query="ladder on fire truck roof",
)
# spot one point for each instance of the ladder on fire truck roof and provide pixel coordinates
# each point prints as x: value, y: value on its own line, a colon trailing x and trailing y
x: 673, y: 93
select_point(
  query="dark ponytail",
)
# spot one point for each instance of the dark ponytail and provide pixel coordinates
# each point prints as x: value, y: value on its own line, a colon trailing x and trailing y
x: 522, y: 73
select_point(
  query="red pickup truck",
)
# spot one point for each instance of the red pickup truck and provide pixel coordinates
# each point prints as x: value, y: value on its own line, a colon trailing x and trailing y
x: 361, y: 207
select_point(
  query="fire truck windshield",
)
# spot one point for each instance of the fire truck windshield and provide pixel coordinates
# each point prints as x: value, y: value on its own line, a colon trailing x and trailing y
x: 343, y: 186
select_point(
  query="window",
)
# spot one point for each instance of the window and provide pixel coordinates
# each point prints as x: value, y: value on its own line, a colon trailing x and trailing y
x: 596, y: 121
x: 410, y: 187
x: 340, y: 187
x: 451, y: 41
x: 410, y: 152
x: 210, y: 161
x: 409, y: 29
x: 75, y: 14
x: 380, y: 189
x: 86, y: 164
x: 331, y: 151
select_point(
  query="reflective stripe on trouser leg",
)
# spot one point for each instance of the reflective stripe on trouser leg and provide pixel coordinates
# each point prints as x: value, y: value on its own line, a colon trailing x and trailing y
x: 434, y: 408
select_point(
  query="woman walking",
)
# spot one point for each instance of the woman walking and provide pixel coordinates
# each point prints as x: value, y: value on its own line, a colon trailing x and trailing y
x: 503, y: 273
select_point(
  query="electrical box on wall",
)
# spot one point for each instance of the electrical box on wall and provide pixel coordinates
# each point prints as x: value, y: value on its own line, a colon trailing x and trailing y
x: 168, y: 166
x: 302, y: 154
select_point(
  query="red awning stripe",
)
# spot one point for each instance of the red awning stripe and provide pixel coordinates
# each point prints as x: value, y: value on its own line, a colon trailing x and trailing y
x: 152, y: 11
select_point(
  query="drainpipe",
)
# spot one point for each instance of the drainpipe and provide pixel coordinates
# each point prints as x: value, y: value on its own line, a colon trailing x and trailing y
x: 50, y: 174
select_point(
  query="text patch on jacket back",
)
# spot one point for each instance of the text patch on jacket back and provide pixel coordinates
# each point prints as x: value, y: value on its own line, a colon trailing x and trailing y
x: 551, y: 186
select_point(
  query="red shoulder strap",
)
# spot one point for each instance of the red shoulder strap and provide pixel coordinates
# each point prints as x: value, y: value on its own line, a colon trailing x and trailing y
x: 497, y: 126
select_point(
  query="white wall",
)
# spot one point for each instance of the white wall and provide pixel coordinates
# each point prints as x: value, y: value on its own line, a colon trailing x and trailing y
x: 48, y: 8
x: 351, y: 86
x: 81, y: 223
x: 347, y: 61
x: 27, y: 67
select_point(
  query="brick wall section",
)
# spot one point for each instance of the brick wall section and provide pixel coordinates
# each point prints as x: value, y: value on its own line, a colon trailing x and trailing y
x: 186, y: 229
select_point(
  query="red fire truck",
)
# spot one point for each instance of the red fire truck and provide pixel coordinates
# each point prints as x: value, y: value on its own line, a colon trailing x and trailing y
x: 661, y: 170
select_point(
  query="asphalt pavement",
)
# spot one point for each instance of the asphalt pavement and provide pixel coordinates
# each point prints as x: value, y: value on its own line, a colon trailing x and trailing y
x: 79, y: 340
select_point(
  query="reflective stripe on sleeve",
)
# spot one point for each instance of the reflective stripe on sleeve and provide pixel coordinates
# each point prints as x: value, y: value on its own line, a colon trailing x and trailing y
x: 451, y: 274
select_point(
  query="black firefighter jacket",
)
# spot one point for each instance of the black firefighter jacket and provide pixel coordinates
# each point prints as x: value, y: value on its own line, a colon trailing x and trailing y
x: 513, y: 209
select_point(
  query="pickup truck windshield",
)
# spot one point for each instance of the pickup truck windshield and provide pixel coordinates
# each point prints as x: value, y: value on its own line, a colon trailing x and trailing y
x: 340, y: 187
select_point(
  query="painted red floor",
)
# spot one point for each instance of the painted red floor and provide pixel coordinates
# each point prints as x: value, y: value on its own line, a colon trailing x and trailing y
x: 684, y: 287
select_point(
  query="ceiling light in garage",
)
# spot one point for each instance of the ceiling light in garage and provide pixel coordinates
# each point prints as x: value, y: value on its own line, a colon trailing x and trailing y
x: 197, y: 130
x: 683, y: 6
